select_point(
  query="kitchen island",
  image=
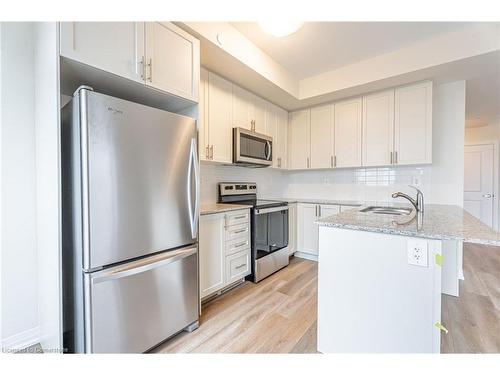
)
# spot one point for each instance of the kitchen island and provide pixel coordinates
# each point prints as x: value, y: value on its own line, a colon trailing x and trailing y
x: 381, y: 277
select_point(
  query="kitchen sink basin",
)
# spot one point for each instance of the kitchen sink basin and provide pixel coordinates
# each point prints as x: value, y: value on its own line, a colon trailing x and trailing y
x: 387, y: 210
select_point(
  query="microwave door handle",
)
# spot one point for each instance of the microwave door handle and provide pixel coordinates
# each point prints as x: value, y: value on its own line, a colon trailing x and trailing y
x: 268, y: 150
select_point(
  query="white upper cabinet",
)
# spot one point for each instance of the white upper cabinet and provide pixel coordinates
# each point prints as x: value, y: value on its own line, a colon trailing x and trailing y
x: 220, y: 133
x: 242, y: 113
x: 299, y: 139
x: 172, y: 60
x: 259, y: 114
x: 413, y: 124
x: 281, y: 144
x: 322, y: 130
x: 378, y: 128
x: 115, y: 47
x: 159, y: 54
x: 348, y: 133
x: 203, y: 143
x: 277, y: 128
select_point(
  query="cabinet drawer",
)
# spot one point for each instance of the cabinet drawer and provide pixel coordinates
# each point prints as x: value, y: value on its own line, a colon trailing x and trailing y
x: 237, y: 217
x: 237, y: 266
x: 240, y: 231
x: 237, y: 245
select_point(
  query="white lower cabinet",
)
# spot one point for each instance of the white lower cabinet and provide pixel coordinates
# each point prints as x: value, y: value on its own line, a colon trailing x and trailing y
x: 307, y: 230
x: 224, y: 243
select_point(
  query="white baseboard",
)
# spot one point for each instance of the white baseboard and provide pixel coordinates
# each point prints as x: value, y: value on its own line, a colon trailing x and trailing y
x: 22, y: 340
x: 302, y: 255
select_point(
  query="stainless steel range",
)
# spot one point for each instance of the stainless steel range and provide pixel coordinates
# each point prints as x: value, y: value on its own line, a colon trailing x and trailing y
x: 269, y: 229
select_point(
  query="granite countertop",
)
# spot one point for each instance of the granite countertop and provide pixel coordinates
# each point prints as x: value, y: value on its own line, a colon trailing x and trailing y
x: 215, y: 208
x: 318, y: 201
x: 443, y: 222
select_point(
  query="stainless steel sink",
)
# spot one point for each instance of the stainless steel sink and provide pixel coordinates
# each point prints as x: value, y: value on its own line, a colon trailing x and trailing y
x: 387, y: 210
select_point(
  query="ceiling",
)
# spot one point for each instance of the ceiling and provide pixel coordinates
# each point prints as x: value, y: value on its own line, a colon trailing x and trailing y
x: 318, y: 47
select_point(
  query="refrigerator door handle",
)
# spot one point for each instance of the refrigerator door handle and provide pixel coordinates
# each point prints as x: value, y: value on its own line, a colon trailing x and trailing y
x: 193, y: 167
x: 142, y: 265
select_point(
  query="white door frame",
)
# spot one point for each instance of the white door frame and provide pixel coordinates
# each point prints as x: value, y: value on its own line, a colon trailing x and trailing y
x: 495, y: 178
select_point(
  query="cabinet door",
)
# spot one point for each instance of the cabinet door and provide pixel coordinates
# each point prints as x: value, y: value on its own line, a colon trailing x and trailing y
x: 172, y: 60
x: 241, y: 103
x: 348, y: 133
x: 322, y: 136
x: 116, y: 47
x: 307, y: 231
x: 212, y: 254
x: 272, y: 130
x: 413, y: 124
x: 203, y: 147
x: 326, y: 210
x: 378, y: 128
x: 281, y: 146
x: 292, y: 228
x: 300, y: 139
x: 259, y: 114
x: 220, y: 119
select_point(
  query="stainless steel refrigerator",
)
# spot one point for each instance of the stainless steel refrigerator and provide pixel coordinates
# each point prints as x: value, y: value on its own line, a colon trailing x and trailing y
x: 130, y: 199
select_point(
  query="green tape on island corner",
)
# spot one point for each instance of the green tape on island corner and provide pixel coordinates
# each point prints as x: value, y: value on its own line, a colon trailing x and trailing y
x: 439, y: 260
x: 441, y: 327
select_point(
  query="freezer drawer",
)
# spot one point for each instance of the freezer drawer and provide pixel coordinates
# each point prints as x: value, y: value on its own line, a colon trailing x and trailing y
x: 132, y: 307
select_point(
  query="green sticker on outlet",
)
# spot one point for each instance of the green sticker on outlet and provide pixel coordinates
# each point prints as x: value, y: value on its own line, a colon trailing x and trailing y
x: 441, y: 327
x: 439, y: 259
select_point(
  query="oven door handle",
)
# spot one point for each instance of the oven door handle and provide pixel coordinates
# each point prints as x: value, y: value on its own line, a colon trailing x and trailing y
x: 261, y: 211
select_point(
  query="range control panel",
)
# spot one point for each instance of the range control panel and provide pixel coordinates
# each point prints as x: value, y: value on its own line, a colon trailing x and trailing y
x: 237, y: 188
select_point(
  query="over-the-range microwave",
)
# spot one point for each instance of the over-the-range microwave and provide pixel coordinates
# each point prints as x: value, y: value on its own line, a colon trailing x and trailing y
x: 252, y: 149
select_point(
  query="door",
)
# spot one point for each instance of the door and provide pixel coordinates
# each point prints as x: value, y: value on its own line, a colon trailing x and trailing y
x: 212, y: 254
x: 241, y: 102
x: 281, y: 143
x: 307, y: 231
x: 300, y: 139
x: 134, y: 204
x: 413, y: 124
x: 322, y: 137
x: 378, y: 128
x: 203, y: 146
x: 348, y: 133
x: 220, y: 118
x: 478, y: 183
x: 172, y: 60
x: 116, y: 47
x: 134, y: 306
x: 271, y: 230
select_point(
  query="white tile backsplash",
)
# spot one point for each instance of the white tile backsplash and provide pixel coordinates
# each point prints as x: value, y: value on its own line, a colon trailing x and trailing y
x: 364, y: 184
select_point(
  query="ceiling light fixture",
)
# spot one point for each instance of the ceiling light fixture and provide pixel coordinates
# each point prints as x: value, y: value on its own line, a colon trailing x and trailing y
x: 280, y: 28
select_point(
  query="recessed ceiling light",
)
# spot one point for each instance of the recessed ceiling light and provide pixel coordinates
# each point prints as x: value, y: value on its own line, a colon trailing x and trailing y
x: 280, y: 28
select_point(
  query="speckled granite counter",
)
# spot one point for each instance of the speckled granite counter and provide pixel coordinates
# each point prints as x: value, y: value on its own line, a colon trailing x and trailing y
x: 215, y: 208
x: 444, y: 222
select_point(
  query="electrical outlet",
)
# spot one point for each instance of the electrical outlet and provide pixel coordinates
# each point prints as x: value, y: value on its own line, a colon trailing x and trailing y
x: 416, y: 181
x: 417, y: 253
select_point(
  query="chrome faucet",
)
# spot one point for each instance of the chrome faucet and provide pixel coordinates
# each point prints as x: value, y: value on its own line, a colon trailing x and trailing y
x: 418, y: 203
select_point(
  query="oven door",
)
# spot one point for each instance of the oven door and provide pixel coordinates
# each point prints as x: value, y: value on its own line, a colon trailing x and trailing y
x: 271, y: 230
x: 252, y: 148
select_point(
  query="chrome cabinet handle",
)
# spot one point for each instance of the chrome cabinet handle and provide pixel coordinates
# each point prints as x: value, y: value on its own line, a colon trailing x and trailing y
x: 395, y: 157
x: 143, y: 68
x: 241, y: 244
x: 316, y: 210
x: 240, y: 217
x: 240, y: 266
x: 487, y: 195
x: 308, y: 163
x: 391, y: 158
x: 150, y: 65
x: 212, y: 152
x: 319, y: 209
x: 335, y: 161
x: 240, y: 231
x: 207, y: 155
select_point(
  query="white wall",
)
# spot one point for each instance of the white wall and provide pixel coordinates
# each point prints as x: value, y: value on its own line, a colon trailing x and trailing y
x: 441, y: 182
x: 19, y: 256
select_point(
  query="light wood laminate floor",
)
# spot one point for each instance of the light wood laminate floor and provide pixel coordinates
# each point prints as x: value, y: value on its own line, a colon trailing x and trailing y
x: 278, y: 315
